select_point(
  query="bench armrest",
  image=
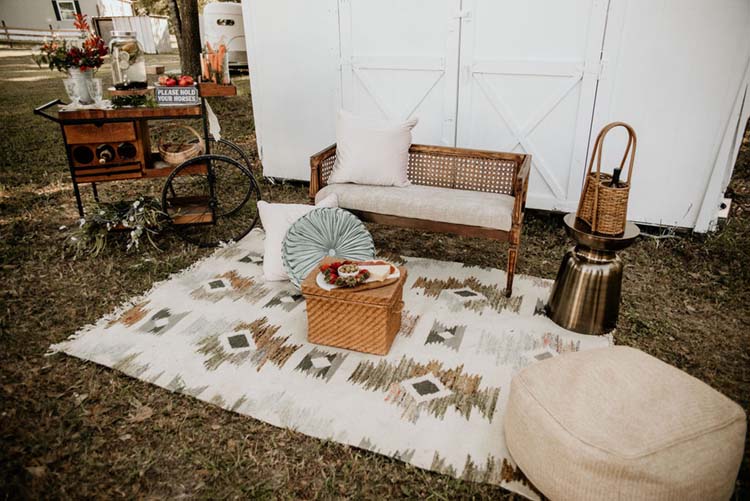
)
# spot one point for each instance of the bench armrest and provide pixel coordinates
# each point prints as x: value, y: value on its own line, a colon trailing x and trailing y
x: 520, y: 189
x: 321, y: 165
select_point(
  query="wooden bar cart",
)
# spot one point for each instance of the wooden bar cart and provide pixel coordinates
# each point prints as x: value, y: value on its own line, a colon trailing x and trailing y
x: 209, y: 198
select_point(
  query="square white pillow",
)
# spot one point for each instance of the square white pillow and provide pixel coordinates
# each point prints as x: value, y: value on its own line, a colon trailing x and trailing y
x: 371, y: 151
x: 276, y: 219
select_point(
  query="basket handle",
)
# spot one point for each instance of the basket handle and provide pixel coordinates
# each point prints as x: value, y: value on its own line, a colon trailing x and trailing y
x: 201, y: 143
x: 597, y: 153
x: 599, y: 146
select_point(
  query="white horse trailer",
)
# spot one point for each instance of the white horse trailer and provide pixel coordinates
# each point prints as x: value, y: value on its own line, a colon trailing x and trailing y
x: 535, y: 76
x: 222, y: 23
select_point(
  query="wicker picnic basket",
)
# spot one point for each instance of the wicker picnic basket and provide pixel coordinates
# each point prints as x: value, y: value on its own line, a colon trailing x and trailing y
x: 603, y: 206
x: 176, y: 153
x: 366, y: 320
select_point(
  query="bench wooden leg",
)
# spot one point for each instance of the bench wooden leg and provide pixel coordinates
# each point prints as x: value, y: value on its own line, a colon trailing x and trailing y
x: 511, y: 270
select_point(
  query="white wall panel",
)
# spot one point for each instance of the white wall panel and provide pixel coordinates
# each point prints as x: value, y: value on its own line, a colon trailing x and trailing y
x: 674, y: 70
x: 527, y: 84
x: 400, y: 60
x: 293, y: 55
x: 531, y: 76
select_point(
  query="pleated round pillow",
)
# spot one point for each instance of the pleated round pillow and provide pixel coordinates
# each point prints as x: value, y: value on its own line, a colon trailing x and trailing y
x: 321, y: 233
x: 616, y: 423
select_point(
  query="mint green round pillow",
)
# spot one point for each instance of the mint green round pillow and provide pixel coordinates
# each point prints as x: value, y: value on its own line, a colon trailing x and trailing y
x: 320, y: 233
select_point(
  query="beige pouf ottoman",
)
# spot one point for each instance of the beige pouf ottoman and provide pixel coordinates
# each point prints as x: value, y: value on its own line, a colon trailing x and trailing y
x: 615, y: 423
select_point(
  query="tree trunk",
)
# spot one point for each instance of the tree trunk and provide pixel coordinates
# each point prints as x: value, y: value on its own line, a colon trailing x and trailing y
x: 184, y: 17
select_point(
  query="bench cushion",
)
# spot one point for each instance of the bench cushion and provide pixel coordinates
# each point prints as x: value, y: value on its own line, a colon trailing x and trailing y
x: 471, y: 208
x: 616, y: 423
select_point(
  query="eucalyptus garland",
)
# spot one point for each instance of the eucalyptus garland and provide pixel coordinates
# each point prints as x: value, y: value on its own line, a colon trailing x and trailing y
x: 133, y: 101
x: 138, y: 220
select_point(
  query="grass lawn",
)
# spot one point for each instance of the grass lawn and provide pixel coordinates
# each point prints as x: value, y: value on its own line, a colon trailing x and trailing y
x: 70, y: 429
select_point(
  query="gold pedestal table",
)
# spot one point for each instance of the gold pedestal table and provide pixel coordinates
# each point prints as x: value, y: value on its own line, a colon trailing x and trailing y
x: 585, y: 297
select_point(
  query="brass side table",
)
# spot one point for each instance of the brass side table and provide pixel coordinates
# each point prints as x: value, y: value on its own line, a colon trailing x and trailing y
x: 585, y: 297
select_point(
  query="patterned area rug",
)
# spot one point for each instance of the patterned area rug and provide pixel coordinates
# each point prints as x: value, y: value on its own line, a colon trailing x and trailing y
x: 218, y: 332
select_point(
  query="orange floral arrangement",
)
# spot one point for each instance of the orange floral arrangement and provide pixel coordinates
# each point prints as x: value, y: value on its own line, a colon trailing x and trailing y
x: 60, y: 55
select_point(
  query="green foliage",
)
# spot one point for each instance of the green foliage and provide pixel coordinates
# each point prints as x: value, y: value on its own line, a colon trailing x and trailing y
x: 153, y: 7
x: 138, y: 219
x: 134, y: 100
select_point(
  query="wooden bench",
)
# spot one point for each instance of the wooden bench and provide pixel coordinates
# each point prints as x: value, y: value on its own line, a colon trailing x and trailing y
x: 466, y: 192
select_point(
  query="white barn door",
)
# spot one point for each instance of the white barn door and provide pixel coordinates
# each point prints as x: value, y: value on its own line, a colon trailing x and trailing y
x: 399, y: 59
x: 527, y: 83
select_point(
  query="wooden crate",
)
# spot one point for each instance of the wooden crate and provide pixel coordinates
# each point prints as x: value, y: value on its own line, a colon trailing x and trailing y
x: 366, y: 320
x: 209, y: 89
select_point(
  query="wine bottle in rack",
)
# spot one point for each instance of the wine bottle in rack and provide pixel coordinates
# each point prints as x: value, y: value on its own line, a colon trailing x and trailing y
x: 615, y: 178
x: 105, y: 153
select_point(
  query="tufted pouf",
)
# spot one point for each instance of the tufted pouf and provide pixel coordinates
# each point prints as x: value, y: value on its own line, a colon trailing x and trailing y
x: 616, y: 423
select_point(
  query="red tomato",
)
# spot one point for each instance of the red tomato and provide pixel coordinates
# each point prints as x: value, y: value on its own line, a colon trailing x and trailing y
x: 170, y: 82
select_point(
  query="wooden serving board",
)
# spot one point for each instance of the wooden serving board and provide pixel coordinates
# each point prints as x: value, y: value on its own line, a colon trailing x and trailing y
x: 366, y: 286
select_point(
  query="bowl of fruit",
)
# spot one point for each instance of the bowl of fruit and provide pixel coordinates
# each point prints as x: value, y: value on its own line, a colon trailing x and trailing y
x: 172, y: 80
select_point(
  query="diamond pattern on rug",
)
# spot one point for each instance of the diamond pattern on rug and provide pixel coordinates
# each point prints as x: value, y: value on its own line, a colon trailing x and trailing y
x: 321, y: 364
x: 425, y: 388
x: 220, y: 333
x: 470, y: 293
x: 252, y: 257
x: 288, y: 300
x: 449, y: 337
x: 238, y: 341
x: 161, y: 321
x: 266, y: 346
x: 465, y: 395
x: 216, y: 285
x: 230, y: 285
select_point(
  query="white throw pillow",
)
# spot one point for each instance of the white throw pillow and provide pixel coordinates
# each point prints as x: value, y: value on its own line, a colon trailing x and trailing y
x: 276, y: 219
x: 371, y: 151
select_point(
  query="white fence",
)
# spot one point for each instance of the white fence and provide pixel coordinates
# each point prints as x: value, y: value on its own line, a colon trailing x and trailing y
x: 151, y: 31
x: 14, y: 35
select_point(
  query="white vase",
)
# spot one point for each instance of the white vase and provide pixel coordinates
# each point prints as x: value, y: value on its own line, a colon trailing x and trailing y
x: 82, y: 88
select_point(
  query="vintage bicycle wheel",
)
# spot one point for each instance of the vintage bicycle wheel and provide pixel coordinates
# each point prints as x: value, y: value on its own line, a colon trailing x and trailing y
x: 211, y: 199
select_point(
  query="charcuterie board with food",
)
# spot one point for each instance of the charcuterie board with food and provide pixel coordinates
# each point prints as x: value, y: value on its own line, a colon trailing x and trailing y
x: 356, y: 275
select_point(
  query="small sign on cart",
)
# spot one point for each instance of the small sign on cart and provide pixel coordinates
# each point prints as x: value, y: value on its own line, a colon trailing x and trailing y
x: 177, y: 96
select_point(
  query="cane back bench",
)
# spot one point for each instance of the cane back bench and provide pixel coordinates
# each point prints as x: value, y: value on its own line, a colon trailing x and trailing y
x: 454, y: 190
